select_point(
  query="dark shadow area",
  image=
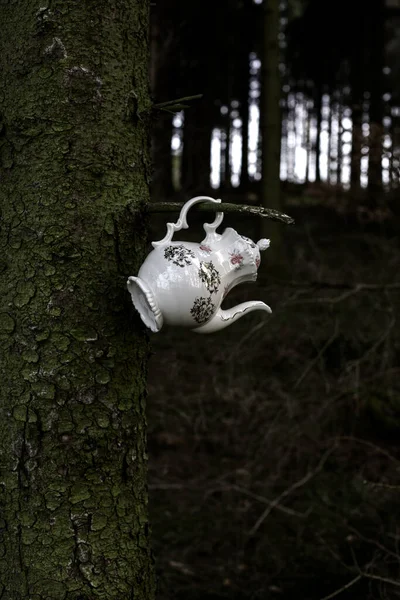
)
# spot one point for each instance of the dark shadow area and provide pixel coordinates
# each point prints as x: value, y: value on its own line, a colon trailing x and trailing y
x: 274, y: 446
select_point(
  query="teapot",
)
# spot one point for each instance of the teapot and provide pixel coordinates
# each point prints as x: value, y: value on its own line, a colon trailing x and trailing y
x: 184, y: 283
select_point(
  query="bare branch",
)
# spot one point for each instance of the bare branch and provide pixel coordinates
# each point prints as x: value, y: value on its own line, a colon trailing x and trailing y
x: 177, y: 105
x: 258, y: 211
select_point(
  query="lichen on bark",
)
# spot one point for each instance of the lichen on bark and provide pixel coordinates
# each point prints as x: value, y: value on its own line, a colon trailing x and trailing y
x: 74, y: 170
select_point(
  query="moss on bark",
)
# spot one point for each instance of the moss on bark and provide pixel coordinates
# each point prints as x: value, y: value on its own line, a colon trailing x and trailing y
x: 74, y: 169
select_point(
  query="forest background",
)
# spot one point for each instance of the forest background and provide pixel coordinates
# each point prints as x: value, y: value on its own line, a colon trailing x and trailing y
x: 274, y: 445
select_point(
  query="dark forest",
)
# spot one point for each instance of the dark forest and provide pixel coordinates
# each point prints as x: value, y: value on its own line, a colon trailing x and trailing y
x: 274, y: 445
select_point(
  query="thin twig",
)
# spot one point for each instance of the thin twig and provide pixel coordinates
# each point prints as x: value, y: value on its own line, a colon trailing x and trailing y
x: 383, y: 579
x: 340, y: 285
x: 226, y: 207
x: 177, y: 101
x: 249, y: 335
x: 374, y: 447
x: 331, y: 300
x: 333, y: 553
x: 374, y: 346
x: 291, y: 489
x: 173, y: 106
x: 386, y: 486
x: 343, y: 588
x: 316, y: 359
x: 373, y: 542
x: 250, y: 494
x: 166, y: 486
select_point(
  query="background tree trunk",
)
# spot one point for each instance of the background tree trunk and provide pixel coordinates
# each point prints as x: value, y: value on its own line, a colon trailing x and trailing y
x: 318, y: 112
x: 376, y: 33
x: 242, y: 84
x: 271, y: 126
x: 161, y: 185
x: 196, y: 157
x: 163, y: 88
x: 74, y: 177
x: 357, y: 96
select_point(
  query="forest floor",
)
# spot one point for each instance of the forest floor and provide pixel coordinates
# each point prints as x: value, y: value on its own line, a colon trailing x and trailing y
x: 274, y: 445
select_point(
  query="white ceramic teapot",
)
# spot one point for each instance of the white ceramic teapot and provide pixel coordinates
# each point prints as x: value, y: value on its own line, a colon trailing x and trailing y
x: 183, y: 283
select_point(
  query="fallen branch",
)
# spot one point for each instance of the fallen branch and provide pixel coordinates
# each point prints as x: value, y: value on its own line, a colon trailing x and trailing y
x: 258, y: 211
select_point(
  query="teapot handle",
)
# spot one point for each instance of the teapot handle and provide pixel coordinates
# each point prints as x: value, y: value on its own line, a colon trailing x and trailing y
x: 182, y: 221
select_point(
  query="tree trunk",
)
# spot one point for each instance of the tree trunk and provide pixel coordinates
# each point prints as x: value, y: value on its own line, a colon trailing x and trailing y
x: 318, y: 112
x: 226, y: 182
x: 341, y: 101
x: 376, y: 28
x: 245, y: 114
x: 196, y: 157
x: 246, y: 32
x: 271, y: 126
x: 356, y: 145
x: 357, y: 70
x: 74, y: 177
x: 160, y: 80
x: 161, y: 184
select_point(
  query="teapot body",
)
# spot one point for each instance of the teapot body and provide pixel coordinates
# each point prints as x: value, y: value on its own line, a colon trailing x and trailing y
x: 184, y: 283
x: 190, y: 280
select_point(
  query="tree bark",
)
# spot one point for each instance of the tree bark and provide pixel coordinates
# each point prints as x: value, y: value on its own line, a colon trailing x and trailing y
x: 74, y: 178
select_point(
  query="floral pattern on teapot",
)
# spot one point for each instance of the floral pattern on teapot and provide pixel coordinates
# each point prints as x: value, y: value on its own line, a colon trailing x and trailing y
x: 202, y: 310
x: 236, y: 259
x: 209, y: 276
x: 179, y: 255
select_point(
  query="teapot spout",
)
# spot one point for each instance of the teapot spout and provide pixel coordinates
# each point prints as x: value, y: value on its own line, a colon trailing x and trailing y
x: 223, y: 318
